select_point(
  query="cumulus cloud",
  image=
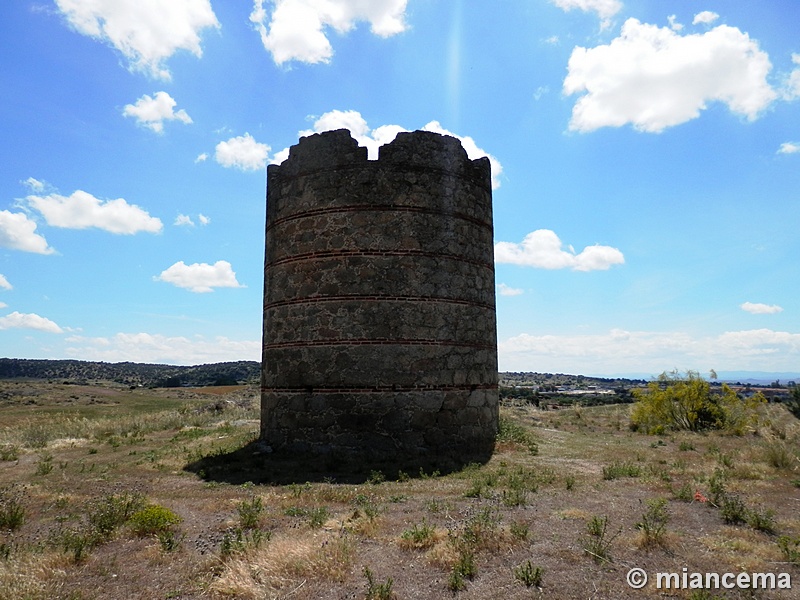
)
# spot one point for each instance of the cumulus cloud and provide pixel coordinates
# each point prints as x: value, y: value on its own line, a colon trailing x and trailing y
x: 18, y: 232
x: 757, y: 308
x: 158, y: 348
x: 152, y: 112
x: 146, y: 32
x: 542, y: 249
x: 4, y: 283
x: 242, y: 152
x: 654, y: 78
x: 200, y: 277
x: 706, y: 17
x: 296, y: 28
x: 789, y: 148
x: 673, y: 23
x: 202, y: 157
x: 373, y: 139
x: 81, y: 210
x: 186, y: 220
x: 506, y: 290
x: 650, y: 351
x: 605, y: 9
x: 792, y: 88
x: 18, y: 320
x: 34, y: 184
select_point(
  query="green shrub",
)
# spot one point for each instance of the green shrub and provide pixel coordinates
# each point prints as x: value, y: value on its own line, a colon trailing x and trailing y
x: 762, y: 520
x: 419, y: 536
x: 519, y: 531
x: 688, y: 403
x: 509, y: 431
x: 617, y: 470
x: 597, y: 543
x: 528, y: 574
x: 778, y: 455
x: 683, y: 493
x: 12, y: 511
x: 733, y: 509
x: 654, y: 522
x: 250, y: 512
x: 44, y: 465
x: 153, y: 519
x: 9, y: 452
x: 112, y: 511
x: 378, y: 591
x: 790, y: 548
x: 238, y: 540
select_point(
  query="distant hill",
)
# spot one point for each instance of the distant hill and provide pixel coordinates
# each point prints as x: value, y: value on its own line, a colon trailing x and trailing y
x: 133, y: 374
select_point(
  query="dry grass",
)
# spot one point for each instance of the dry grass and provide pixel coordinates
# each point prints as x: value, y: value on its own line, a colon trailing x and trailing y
x: 285, y: 564
x: 187, y: 450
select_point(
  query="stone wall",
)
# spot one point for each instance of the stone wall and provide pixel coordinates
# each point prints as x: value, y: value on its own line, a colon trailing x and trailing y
x: 379, y: 308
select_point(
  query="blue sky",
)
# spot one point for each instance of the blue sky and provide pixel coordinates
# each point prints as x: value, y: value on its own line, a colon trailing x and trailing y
x: 646, y: 165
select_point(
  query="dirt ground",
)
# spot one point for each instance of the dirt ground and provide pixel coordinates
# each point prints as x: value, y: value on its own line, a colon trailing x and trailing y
x: 571, y: 501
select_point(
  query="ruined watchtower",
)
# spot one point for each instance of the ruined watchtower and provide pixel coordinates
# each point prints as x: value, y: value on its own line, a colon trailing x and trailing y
x: 379, y: 306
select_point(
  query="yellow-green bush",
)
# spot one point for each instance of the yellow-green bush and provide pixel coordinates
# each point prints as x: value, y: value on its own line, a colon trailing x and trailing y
x: 687, y: 402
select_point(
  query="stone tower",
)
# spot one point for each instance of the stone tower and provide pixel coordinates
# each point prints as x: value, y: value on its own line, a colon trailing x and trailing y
x: 379, y: 305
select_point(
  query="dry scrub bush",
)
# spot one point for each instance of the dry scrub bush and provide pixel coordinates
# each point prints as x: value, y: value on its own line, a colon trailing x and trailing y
x: 282, y: 564
x: 32, y: 577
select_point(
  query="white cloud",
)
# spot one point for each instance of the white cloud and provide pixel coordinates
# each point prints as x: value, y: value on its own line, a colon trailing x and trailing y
x: 706, y: 17
x: 152, y: 112
x: 146, y: 32
x: 4, y: 283
x: 473, y: 151
x: 605, y: 9
x: 543, y: 249
x: 18, y: 232
x: 789, y: 148
x: 81, y: 210
x: 202, y: 157
x: 3, y: 305
x: 186, y: 220
x: 650, y: 352
x: 506, y: 290
x: 760, y: 309
x: 242, y: 152
x: 673, y: 23
x: 653, y: 78
x: 792, y: 88
x: 34, y: 184
x: 158, y: 348
x: 373, y: 139
x: 296, y: 28
x: 18, y: 320
x: 200, y: 277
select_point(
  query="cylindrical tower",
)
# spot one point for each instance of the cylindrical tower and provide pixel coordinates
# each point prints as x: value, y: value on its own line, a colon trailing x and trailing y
x: 380, y: 338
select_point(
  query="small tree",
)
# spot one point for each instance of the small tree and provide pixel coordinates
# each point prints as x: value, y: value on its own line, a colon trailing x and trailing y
x: 687, y: 402
x: 793, y: 403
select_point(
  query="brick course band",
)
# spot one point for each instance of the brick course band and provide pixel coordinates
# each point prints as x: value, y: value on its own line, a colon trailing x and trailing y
x: 385, y: 388
x: 379, y: 340
x: 372, y: 207
x: 376, y: 253
x: 366, y: 298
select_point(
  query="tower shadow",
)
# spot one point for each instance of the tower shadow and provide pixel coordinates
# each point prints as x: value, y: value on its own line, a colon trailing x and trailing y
x: 252, y: 464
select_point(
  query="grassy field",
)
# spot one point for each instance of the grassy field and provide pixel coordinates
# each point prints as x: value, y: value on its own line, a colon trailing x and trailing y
x: 108, y: 492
